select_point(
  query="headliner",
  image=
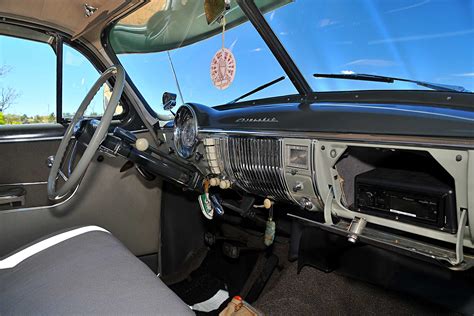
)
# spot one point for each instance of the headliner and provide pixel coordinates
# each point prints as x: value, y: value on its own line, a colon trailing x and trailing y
x: 68, y: 16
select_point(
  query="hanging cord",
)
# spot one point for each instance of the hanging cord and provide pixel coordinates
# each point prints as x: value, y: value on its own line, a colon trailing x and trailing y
x: 223, y: 33
x: 175, y: 77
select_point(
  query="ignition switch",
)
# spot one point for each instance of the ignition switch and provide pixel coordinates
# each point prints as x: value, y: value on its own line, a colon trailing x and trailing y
x: 306, y: 203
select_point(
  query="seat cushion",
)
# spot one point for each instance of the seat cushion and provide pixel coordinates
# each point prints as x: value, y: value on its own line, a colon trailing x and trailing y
x: 90, y: 273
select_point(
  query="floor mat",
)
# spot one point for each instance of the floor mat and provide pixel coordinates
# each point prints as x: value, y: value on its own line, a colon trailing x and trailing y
x: 198, y: 288
x: 314, y: 292
x: 217, y: 272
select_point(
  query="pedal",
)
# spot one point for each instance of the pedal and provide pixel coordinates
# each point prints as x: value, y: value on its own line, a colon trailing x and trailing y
x: 230, y: 250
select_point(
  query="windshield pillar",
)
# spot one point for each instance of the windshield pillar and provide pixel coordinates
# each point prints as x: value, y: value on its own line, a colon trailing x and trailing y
x: 263, y: 28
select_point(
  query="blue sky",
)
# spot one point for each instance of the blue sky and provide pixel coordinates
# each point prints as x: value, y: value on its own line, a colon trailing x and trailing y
x: 431, y: 40
x: 32, y: 73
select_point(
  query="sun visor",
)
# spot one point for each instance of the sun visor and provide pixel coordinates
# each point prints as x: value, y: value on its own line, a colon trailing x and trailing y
x: 164, y: 25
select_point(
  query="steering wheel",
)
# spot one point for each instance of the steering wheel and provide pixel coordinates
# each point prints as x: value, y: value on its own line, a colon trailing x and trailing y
x: 97, y: 138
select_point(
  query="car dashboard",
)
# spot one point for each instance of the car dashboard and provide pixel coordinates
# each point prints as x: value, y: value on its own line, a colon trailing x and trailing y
x: 388, y: 186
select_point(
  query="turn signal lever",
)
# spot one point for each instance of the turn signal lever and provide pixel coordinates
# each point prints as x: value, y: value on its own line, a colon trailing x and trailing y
x: 141, y: 144
x: 125, y: 135
x: 121, y: 145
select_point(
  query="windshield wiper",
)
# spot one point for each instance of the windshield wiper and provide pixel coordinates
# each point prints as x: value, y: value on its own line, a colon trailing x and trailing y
x: 367, y: 77
x: 259, y: 88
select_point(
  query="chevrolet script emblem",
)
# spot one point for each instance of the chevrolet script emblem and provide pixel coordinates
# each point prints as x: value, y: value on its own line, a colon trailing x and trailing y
x: 257, y: 120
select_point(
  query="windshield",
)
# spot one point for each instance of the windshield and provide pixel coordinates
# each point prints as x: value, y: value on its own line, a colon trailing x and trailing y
x: 425, y: 40
x: 159, y: 56
x: 168, y: 46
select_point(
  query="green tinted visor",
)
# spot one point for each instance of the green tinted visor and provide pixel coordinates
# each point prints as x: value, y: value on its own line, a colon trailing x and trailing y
x: 165, y: 25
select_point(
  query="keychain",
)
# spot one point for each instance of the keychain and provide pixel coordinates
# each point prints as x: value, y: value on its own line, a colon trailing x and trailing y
x: 205, y: 202
x: 270, y: 226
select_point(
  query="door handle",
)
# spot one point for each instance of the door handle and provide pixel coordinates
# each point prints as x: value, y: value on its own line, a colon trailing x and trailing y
x: 15, y: 196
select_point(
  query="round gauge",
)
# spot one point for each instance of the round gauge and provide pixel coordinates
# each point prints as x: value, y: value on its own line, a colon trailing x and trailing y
x: 188, y: 133
x: 185, y: 131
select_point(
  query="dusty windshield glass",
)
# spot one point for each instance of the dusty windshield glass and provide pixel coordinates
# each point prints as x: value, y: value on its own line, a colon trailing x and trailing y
x: 170, y: 43
x: 427, y: 40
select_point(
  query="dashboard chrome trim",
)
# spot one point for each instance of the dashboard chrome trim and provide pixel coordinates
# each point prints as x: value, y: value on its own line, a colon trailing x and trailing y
x: 256, y: 165
x: 361, y: 138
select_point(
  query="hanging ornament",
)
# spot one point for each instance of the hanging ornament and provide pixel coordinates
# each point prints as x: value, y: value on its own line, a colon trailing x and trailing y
x: 223, y: 65
x: 205, y: 202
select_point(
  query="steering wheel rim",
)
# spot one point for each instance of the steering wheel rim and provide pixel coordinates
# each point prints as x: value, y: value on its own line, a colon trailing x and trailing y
x: 99, y: 134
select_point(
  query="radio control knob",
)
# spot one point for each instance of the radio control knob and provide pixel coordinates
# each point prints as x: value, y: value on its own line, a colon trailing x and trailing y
x: 224, y: 184
x: 370, y: 198
x: 214, y: 182
x: 306, y: 203
x: 298, y: 186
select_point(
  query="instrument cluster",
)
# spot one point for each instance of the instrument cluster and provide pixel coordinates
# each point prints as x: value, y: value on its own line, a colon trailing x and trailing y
x: 185, y: 131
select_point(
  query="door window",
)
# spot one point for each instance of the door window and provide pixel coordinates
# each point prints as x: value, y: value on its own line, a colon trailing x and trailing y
x: 27, y: 81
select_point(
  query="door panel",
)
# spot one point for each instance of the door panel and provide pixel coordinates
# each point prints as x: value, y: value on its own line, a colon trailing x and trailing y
x: 123, y: 203
x: 24, y: 164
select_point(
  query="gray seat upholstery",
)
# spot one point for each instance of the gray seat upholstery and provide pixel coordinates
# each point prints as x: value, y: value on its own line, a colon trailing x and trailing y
x: 91, y: 273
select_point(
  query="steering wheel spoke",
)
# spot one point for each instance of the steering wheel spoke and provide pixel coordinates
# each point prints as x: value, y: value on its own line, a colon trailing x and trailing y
x: 72, y: 157
x: 63, y: 176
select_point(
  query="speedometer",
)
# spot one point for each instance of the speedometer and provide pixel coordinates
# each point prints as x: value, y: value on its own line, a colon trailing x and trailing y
x: 185, y: 131
x: 188, y: 133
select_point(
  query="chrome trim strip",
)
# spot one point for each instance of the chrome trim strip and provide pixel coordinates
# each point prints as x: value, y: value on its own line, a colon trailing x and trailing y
x: 35, y: 208
x: 22, y: 139
x: 442, y: 142
x: 23, y: 183
x: 312, y: 154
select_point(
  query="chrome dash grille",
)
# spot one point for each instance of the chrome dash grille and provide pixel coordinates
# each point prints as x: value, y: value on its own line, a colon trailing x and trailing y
x: 255, y: 164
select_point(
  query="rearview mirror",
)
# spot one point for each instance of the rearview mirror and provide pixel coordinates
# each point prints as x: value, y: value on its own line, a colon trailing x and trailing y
x: 169, y: 101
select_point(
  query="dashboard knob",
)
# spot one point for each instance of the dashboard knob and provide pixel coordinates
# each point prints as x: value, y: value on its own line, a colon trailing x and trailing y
x: 298, y: 186
x: 142, y: 144
x: 214, y: 182
x: 224, y: 184
x: 306, y: 203
x: 267, y: 203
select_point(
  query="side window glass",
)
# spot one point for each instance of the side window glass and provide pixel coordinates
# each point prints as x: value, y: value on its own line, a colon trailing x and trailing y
x: 79, y: 75
x: 27, y: 82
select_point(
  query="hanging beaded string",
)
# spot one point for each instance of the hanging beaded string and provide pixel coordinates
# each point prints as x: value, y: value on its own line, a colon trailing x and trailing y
x: 223, y: 33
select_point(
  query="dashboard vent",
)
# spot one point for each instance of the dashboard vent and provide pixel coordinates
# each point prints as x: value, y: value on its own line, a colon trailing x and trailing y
x: 255, y: 164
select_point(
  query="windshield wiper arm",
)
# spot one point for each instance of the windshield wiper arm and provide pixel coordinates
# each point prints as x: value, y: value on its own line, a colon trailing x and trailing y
x: 259, y: 88
x: 367, y: 77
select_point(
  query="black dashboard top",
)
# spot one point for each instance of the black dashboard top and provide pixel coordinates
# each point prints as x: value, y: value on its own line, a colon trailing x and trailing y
x: 340, y: 117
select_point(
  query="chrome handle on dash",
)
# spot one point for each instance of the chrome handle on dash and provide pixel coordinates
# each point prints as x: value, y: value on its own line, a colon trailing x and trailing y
x: 355, y: 229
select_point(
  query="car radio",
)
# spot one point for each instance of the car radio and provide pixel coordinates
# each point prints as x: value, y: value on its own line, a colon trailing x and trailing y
x: 406, y: 196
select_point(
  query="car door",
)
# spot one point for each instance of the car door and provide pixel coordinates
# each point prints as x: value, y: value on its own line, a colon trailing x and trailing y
x: 42, y: 82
